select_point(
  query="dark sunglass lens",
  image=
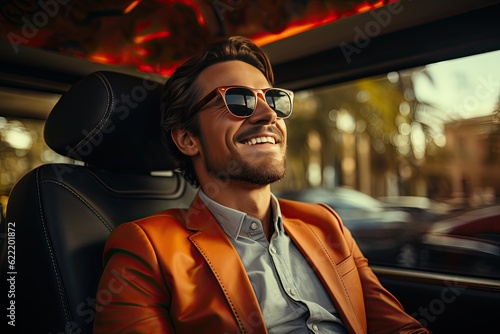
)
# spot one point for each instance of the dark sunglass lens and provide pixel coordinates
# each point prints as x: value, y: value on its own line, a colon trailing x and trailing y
x: 240, y: 101
x: 280, y: 102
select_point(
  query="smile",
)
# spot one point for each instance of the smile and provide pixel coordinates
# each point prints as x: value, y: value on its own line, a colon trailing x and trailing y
x: 260, y: 140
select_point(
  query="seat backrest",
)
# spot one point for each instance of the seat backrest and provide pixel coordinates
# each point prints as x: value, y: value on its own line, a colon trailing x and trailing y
x: 63, y: 213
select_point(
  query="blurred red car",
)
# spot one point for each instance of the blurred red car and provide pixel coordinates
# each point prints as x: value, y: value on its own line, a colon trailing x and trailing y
x: 468, y: 242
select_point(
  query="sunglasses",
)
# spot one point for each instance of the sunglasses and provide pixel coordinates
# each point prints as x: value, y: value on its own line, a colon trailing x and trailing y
x: 241, y: 101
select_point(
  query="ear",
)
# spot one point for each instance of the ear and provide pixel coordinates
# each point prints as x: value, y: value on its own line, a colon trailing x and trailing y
x: 185, y: 141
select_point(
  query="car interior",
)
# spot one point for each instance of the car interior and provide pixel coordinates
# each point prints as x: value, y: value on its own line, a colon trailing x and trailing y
x: 105, y: 121
x: 65, y: 212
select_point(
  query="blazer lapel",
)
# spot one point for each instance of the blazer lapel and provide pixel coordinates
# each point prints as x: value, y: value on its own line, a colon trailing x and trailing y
x: 314, y: 248
x: 220, y: 255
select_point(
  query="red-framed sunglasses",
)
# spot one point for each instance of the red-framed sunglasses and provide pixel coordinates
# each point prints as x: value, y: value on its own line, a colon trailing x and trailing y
x: 241, y: 101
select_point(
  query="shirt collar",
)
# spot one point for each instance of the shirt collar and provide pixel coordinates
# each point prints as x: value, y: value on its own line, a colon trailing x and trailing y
x: 232, y: 220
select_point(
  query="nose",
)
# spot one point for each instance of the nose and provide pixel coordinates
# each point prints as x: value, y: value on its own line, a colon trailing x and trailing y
x: 263, y: 112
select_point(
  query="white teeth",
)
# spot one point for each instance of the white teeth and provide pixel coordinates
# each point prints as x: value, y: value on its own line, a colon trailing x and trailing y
x: 259, y: 140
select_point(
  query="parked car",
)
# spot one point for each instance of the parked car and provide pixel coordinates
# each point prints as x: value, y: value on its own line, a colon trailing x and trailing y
x: 468, y: 242
x: 421, y: 209
x: 385, y: 235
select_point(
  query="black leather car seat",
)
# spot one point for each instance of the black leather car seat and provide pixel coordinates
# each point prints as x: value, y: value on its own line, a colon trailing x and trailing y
x: 63, y: 213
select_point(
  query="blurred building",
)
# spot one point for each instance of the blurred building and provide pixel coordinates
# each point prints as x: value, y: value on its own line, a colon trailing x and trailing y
x: 471, y: 160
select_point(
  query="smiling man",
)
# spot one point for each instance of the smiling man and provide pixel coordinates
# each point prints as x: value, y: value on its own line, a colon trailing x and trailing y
x: 238, y: 260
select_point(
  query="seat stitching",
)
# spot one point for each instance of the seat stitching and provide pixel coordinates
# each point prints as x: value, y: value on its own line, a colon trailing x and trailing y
x: 81, y: 199
x: 105, y: 117
x: 51, y: 251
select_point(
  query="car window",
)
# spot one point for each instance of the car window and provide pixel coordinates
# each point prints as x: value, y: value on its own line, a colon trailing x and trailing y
x: 423, y: 141
x: 22, y: 148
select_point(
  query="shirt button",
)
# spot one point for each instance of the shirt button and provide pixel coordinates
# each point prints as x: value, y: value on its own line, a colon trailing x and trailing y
x: 293, y: 292
x: 273, y: 250
x: 254, y: 226
x: 315, y: 327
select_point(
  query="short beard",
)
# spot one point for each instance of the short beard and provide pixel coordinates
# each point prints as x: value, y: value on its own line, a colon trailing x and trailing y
x: 259, y: 177
x: 239, y: 171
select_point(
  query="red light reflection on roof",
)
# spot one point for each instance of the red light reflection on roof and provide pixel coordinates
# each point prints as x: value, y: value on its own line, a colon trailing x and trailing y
x: 294, y: 29
x: 103, y: 58
x: 151, y: 36
x: 166, y: 72
x: 131, y: 6
x: 365, y: 7
x: 140, y: 51
x: 308, y: 24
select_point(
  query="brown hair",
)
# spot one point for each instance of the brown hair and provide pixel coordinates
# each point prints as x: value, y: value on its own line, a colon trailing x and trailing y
x: 180, y: 94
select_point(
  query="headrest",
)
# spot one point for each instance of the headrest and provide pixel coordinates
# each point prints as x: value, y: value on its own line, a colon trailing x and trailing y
x: 110, y: 120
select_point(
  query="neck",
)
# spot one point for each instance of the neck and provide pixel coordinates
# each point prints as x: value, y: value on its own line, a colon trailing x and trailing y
x: 253, y: 200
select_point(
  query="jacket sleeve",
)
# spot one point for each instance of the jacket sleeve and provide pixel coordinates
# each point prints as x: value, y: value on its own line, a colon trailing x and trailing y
x: 384, y: 313
x: 131, y: 296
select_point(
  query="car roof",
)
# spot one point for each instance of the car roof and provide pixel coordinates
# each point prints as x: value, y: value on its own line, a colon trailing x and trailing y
x: 47, y: 60
x: 156, y: 36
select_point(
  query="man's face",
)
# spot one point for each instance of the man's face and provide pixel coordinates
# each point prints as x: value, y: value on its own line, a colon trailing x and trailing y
x: 228, y: 148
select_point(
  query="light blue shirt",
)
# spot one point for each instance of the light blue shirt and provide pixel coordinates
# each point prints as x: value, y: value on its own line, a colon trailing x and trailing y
x: 290, y: 295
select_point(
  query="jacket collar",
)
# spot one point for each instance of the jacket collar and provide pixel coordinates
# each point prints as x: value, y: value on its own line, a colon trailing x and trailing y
x: 315, y: 244
x: 215, y: 246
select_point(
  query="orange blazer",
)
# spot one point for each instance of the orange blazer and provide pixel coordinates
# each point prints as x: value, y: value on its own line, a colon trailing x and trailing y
x: 177, y: 272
